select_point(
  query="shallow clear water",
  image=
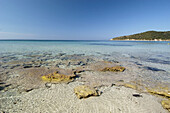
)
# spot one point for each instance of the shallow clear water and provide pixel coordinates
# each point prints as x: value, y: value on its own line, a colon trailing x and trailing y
x: 85, y: 46
x: 148, y: 52
x: 151, y: 59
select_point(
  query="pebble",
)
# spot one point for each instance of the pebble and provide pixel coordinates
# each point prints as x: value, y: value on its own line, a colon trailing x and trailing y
x: 48, y: 85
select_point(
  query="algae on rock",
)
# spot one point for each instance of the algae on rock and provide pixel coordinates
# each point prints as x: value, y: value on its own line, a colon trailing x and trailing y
x: 114, y: 69
x: 130, y: 86
x: 166, y: 104
x: 85, y: 91
x: 56, y: 77
x: 160, y: 93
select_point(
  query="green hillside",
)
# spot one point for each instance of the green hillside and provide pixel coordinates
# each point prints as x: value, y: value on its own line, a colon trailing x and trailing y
x: 149, y: 35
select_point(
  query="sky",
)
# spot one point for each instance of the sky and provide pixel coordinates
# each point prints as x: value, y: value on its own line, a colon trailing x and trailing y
x: 81, y: 19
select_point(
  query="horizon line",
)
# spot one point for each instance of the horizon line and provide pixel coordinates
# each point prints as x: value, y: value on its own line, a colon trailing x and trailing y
x: 45, y: 40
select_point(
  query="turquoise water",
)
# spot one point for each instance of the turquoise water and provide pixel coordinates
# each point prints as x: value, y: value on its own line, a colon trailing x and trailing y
x: 144, y: 51
x: 85, y: 46
x: 150, y: 55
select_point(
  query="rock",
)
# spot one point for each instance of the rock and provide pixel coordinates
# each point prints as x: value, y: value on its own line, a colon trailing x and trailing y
x: 79, y: 71
x: 130, y: 86
x: 5, y: 87
x: 14, y: 66
x: 160, y: 93
x: 112, y: 85
x: 81, y: 63
x: 56, y: 77
x: 37, y: 65
x: 48, y: 85
x: 27, y: 65
x: 152, y: 68
x: 137, y: 95
x: 114, y: 69
x: 166, y: 104
x: 5, y: 66
x: 61, y: 54
x: 84, y: 91
x: 28, y: 90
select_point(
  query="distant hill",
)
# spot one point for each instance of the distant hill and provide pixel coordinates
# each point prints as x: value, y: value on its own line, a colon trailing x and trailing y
x: 149, y: 35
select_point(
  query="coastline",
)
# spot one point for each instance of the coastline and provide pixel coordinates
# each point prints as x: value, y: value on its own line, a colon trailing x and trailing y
x: 138, y: 40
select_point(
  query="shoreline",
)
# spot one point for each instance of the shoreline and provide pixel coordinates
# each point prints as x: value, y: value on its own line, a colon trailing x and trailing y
x: 138, y: 40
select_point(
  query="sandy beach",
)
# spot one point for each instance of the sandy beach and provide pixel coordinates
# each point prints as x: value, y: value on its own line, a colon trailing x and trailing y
x: 60, y: 98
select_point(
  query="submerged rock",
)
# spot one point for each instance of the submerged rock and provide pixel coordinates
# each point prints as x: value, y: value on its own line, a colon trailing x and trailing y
x: 152, y: 68
x: 56, y: 77
x: 27, y: 66
x: 85, y: 91
x: 166, y: 104
x: 130, y: 86
x: 14, y: 66
x: 160, y: 93
x: 114, y: 69
x: 61, y: 54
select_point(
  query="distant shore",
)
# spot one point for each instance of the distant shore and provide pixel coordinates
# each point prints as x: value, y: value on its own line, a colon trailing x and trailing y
x: 139, y: 40
x: 146, y: 36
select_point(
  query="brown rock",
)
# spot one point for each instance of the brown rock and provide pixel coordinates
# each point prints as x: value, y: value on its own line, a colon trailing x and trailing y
x: 160, y: 93
x: 56, y: 77
x: 85, y: 91
x: 130, y: 86
x: 166, y: 104
x: 114, y: 69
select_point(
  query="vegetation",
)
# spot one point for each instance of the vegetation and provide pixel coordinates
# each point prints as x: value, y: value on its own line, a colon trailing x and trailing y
x: 149, y: 35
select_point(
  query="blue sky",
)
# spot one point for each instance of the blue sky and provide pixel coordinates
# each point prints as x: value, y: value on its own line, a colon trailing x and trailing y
x: 81, y: 19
